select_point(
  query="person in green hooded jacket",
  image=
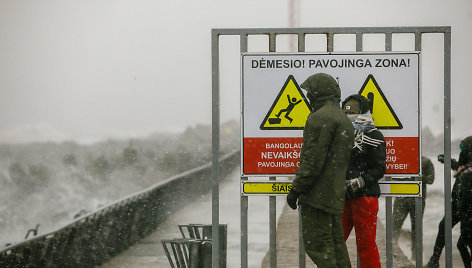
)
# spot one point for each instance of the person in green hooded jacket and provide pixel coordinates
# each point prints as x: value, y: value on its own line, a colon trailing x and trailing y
x: 319, y: 184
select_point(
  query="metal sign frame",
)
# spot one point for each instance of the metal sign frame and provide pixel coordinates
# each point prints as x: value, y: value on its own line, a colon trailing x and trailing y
x: 329, y: 32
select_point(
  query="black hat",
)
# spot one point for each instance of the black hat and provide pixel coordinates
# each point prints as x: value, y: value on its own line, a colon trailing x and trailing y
x: 364, y: 103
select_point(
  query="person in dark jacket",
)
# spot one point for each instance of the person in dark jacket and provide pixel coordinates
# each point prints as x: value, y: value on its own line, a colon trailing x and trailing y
x: 366, y: 168
x: 464, y: 204
x: 402, y: 206
x: 455, y: 216
x: 319, y: 184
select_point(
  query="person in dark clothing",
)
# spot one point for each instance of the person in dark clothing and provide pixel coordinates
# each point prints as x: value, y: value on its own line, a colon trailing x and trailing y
x: 366, y: 168
x: 455, y: 216
x: 319, y: 184
x: 402, y: 206
x: 464, y: 204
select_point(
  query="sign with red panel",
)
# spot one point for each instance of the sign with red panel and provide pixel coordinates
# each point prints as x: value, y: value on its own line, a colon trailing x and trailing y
x: 275, y: 108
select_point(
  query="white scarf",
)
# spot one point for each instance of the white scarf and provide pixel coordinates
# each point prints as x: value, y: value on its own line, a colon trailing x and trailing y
x: 363, y: 123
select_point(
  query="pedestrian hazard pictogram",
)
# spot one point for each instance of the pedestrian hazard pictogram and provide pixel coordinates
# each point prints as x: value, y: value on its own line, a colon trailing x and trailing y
x: 382, y: 112
x: 289, y: 110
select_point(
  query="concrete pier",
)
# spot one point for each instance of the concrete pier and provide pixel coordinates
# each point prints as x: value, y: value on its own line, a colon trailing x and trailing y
x: 149, y: 251
x: 287, y: 245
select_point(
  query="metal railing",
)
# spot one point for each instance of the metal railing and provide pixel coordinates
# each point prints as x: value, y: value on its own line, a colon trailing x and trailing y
x: 328, y: 42
x: 98, y: 236
x: 194, y: 248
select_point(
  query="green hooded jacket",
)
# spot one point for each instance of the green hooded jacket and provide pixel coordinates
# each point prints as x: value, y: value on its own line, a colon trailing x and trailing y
x: 328, y: 138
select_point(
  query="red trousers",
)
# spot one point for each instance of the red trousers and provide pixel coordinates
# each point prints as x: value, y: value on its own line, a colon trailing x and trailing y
x: 361, y: 213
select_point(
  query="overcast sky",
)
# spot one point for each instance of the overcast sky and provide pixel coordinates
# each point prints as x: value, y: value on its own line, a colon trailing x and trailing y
x: 89, y: 70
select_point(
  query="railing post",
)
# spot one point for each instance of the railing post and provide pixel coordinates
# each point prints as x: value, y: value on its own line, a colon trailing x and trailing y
x: 215, y: 123
x: 244, y: 199
x: 447, y: 147
x: 272, y: 230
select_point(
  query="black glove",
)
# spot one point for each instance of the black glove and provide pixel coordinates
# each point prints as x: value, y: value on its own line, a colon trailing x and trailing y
x: 353, y: 186
x: 292, y: 199
x: 454, y: 163
x: 441, y: 158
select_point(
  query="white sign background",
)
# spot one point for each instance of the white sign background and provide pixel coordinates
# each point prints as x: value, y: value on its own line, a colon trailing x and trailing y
x: 400, y: 85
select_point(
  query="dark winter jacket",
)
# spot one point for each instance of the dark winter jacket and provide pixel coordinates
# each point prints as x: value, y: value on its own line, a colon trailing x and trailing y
x: 368, y: 163
x: 327, y: 141
x: 427, y: 170
x: 464, y: 176
x: 464, y: 200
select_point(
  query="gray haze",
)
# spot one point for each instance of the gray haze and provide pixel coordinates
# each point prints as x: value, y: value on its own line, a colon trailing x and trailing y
x: 90, y: 70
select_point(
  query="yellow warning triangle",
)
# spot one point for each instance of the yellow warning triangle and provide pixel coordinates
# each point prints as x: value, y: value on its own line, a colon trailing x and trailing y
x: 383, y: 114
x: 289, y: 110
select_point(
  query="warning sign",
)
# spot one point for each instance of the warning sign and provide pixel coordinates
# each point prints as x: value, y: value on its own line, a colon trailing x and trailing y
x: 383, y: 114
x: 401, y: 188
x: 265, y: 187
x: 275, y: 108
x: 289, y: 110
x: 274, y: 155
x: 403, y: 155
x: 274, y: 188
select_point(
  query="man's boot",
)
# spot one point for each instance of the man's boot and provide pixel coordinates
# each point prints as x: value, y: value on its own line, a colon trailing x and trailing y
x: 433, y: 263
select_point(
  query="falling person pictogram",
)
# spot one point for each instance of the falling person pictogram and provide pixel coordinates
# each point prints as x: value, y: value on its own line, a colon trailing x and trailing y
x: 291, y: 104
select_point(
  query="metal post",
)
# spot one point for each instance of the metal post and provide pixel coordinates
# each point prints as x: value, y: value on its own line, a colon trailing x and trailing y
x: 244, y: 199
x: 272, y: 230
x: 388, y: 228
x: 301, y: 245
x: 330, y: 42
x: 419, y: 231
x: 215, y: 149
x: 301, y: 42
x: 359, y: 42
x: 388, y: 200
x: 388, y: 41
x: 207, y: 232
x: 244, y: 235
x: 359, y: 38
x: 272, y: 199
x: 447, y: 147
x: 418, y: 200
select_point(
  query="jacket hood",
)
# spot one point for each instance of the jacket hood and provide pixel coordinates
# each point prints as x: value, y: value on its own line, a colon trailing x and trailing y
x: 321, y: 87
x: 467, y: 143
x: 465, y: 156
